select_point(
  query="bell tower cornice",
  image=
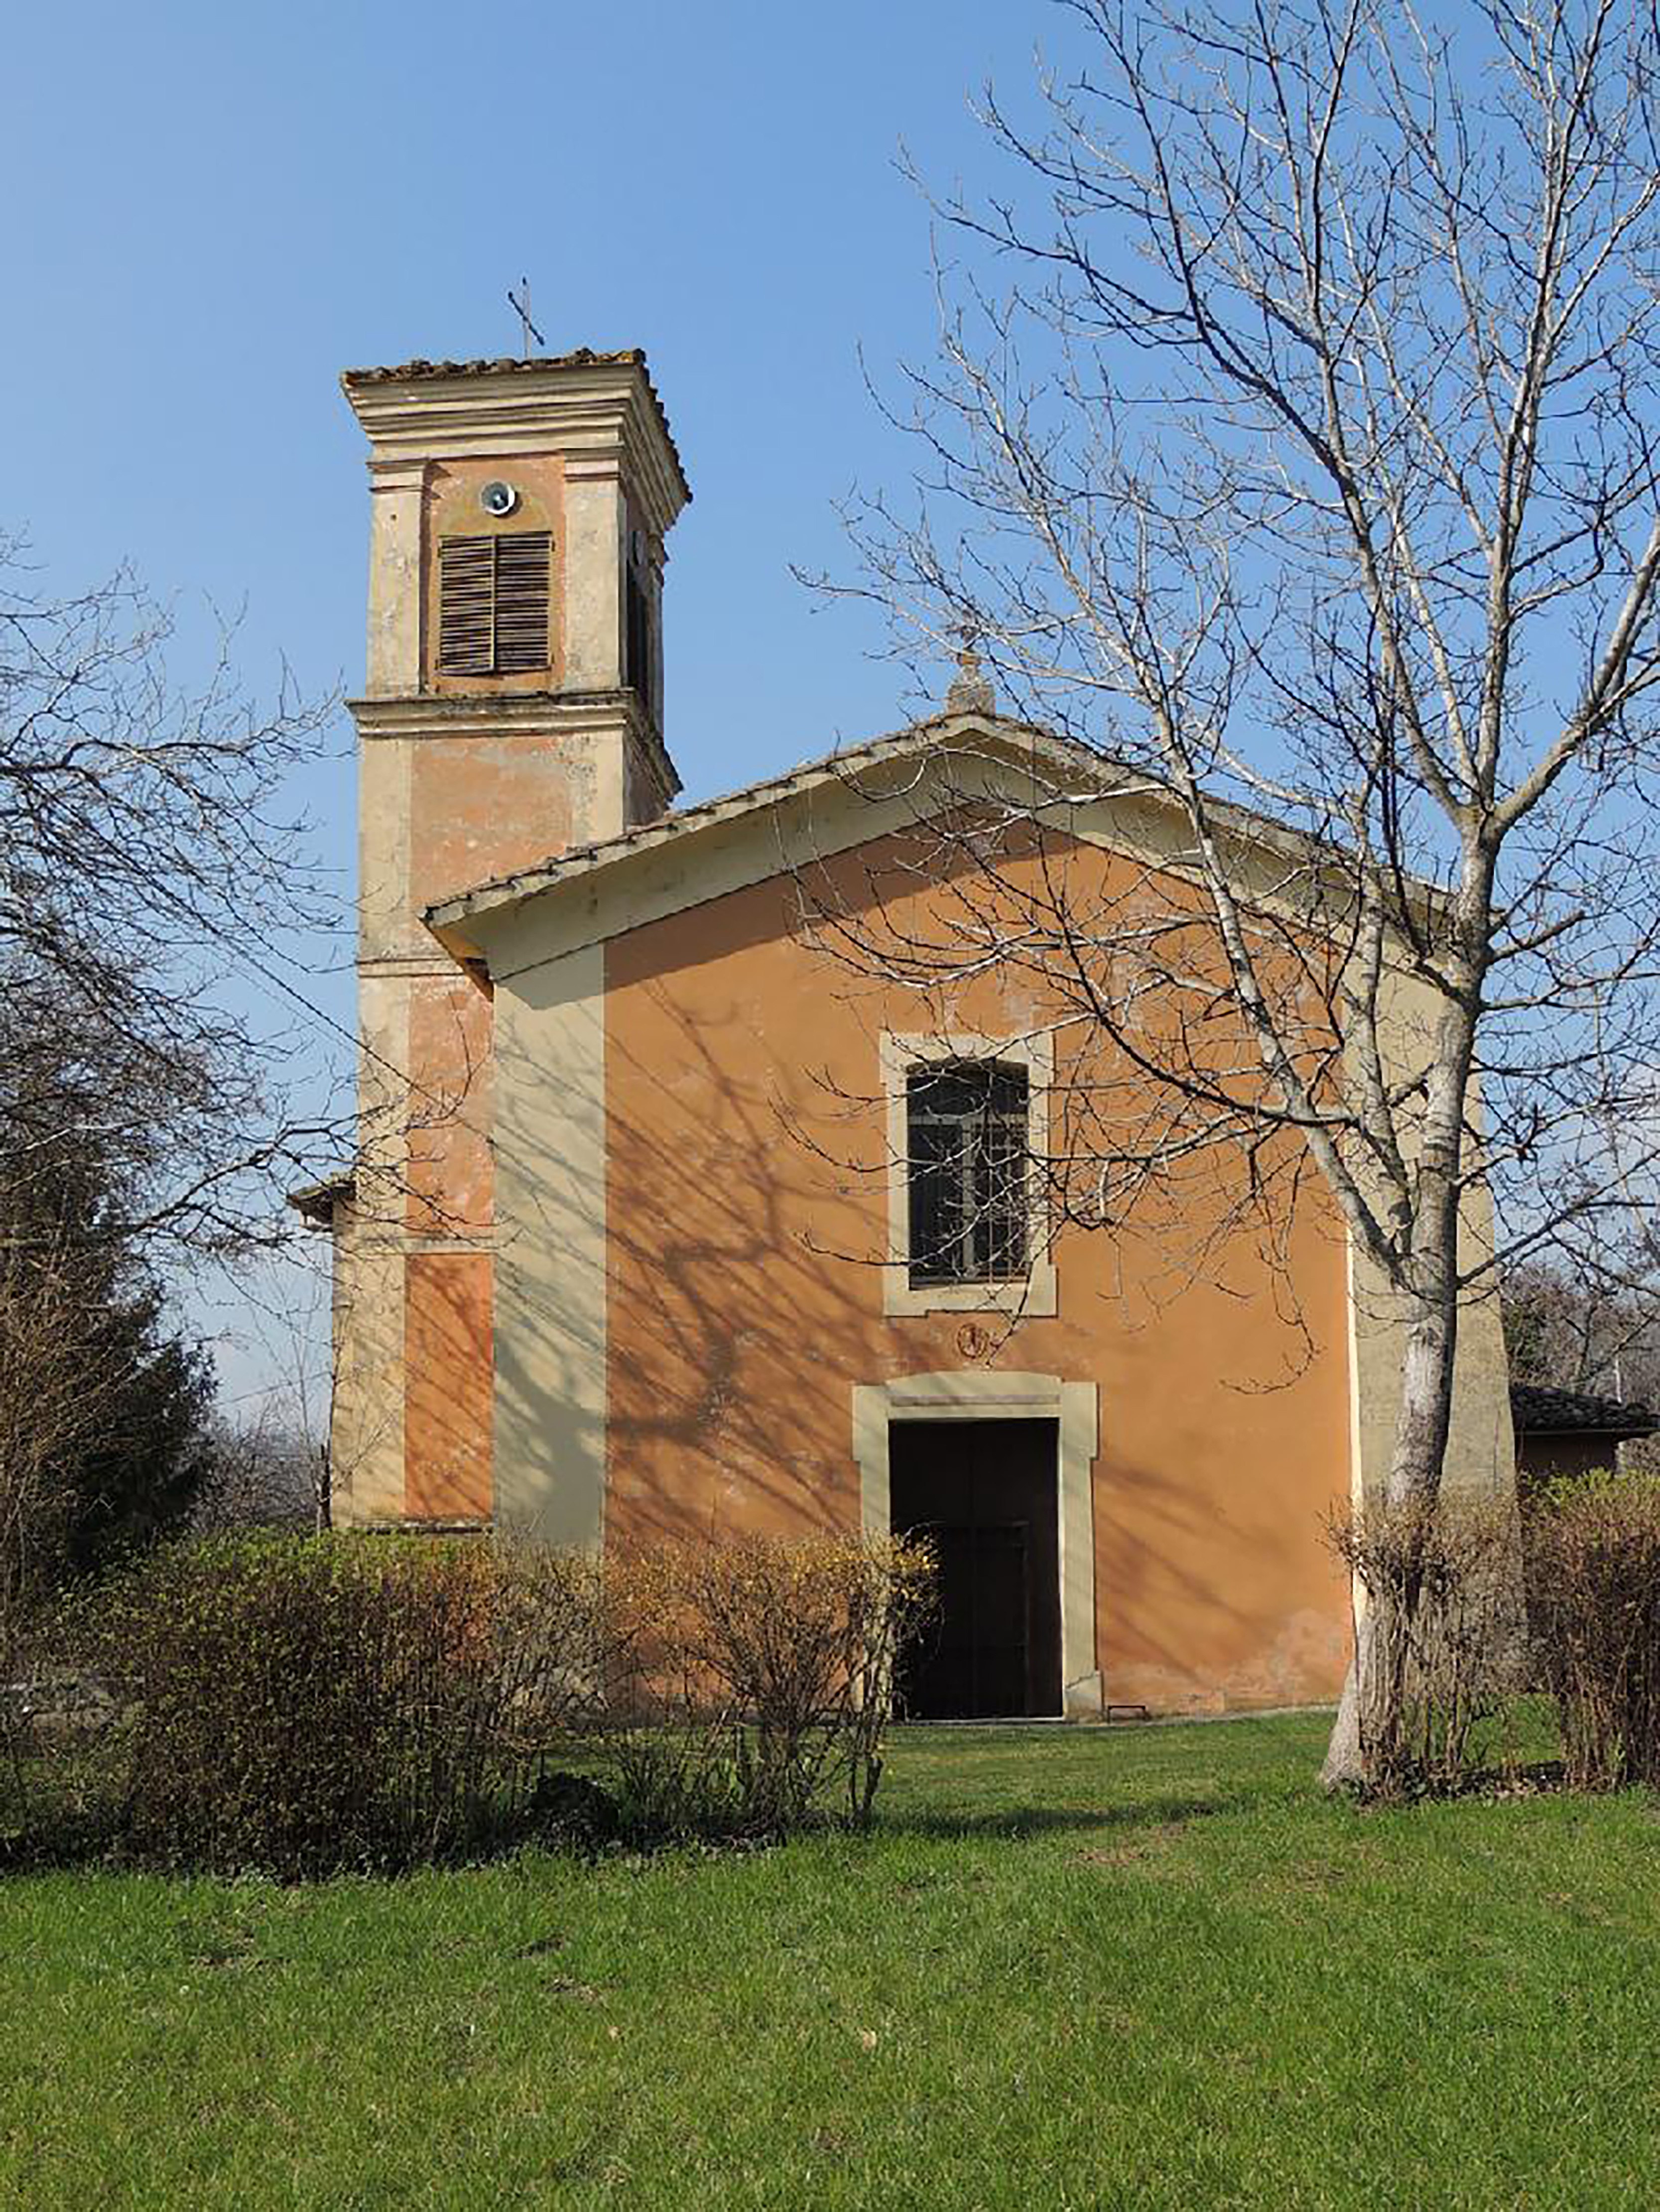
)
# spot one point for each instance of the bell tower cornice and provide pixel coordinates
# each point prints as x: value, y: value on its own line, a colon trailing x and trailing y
x: 600, y: 410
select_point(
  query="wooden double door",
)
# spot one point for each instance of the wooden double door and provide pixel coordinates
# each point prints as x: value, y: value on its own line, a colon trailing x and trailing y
x: 986, y: 1494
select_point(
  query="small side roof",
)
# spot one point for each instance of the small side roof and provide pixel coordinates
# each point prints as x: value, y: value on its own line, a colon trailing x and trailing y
x: 315, y: 1201
x: 1539, y: 1410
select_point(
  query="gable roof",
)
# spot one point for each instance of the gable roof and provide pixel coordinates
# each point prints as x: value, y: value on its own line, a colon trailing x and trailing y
x: 1078, y: 773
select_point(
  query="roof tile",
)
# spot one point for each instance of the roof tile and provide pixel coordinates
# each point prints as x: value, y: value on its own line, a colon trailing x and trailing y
x: 1538, y: 1409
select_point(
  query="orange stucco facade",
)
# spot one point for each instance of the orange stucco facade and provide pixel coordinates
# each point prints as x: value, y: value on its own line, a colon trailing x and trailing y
x: 746, y: 1192
x: 746, y: 1187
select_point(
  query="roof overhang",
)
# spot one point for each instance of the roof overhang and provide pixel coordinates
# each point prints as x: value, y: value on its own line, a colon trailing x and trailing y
x: 1539, y: 1410
x: 595, y: 408
x: 315, y: 1202
x: 954, y: 758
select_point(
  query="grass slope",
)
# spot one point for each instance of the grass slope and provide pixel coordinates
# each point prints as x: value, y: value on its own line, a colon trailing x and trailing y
x: 1068, y: 1970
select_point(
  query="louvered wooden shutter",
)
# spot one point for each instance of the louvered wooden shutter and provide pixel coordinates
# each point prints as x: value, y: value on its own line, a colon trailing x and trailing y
x: 493, y: 603
x: 466, y: 605
x: 521, y: 600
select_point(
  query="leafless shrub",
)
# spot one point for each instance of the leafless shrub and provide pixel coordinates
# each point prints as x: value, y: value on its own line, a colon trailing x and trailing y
x: 305, y: 1704
x: 1593, y: 1564
x: 1437, y: 1585
x: 763, y: 1674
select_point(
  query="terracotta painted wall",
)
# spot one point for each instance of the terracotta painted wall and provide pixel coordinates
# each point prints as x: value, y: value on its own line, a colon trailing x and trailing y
x: 746, y: 1209
x: 450, y: 1385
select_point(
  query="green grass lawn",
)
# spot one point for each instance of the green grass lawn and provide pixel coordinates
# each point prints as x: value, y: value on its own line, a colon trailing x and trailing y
x: 1142, y: 1968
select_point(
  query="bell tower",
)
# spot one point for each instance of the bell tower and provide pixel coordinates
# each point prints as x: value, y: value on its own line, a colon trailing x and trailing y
x: 513, y: 708
x: 517, y: 515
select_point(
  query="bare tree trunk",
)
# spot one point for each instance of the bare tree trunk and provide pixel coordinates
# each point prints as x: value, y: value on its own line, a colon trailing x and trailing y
x: 1420, y: 1444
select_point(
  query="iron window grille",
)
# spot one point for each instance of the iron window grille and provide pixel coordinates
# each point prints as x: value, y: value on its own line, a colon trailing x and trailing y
x: 493, y: 603
x: 967, y: 1166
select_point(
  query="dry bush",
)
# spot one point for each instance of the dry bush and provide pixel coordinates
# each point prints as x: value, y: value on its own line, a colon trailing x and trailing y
x: 761, y: 1676
x: 304, y: 1705
x: 1440, y: 1585
x: 1593, y: 1572
x: 301, y: 1704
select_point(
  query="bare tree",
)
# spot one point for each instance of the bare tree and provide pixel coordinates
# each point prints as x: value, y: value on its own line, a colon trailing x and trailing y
x: 264, y: 1472
x: 1308, y: 464
x: 149, y: 862
x: 1568, y: 1336
x: 148, y: 866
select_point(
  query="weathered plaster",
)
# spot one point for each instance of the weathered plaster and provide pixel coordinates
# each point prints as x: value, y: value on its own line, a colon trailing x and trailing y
x: 593, y: 579
x: 396, y: 496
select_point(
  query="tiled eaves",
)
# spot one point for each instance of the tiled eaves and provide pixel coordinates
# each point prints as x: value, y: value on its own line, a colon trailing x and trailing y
x: 1539, y: 1410
x: 1005, y: 735
x: 419, y: 370
x: 315, y: 1201
x: 581, y: 860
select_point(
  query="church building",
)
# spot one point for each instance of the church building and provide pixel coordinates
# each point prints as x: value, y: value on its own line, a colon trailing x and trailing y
x: 673, y: 1215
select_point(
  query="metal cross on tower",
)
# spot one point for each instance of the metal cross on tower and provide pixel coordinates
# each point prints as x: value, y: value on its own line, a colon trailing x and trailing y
x: 520, y: 306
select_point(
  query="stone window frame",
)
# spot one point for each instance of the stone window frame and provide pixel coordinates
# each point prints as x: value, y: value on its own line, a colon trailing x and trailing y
x: 1032, y: 1295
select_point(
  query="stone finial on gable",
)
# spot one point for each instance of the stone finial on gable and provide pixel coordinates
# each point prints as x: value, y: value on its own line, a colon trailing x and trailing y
x: 971, y: 690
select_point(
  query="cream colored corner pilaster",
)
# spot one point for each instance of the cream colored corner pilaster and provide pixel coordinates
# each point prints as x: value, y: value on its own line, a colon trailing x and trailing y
x: 550, y: 1391
x: 396, y: 490
x: 366, y: 1424
x: 386, y: 926
x: 1480, y: 1458
x: 989, y: 1394
x: 594, y: 569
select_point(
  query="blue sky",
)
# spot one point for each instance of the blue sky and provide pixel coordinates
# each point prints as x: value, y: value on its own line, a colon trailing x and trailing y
x: 215, y: 210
